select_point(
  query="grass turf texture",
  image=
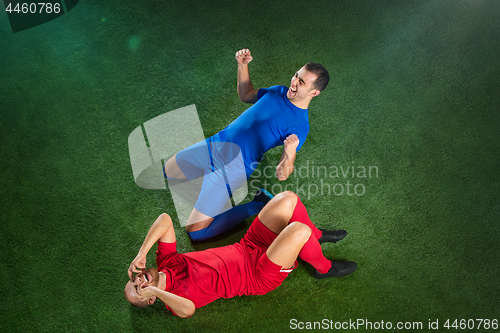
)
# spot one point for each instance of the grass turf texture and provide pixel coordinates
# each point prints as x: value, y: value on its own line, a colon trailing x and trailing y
x: 413, y: 91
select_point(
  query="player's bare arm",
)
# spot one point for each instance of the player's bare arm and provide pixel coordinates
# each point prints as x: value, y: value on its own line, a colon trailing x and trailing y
x: 182, y: 307
x: 285, y: 166
x: 162, y: 230
x: 246, y: 91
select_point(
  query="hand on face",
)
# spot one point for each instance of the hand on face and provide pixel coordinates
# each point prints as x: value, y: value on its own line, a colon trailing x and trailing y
x: 138, y: 265
x: 243, y: 57
x: 146, y: 292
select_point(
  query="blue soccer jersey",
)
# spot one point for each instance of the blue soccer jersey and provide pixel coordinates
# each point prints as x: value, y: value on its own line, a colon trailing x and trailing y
x: 265, y: 125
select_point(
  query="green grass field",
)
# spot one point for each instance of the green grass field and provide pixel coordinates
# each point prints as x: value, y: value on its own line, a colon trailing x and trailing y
x: 414, y: 94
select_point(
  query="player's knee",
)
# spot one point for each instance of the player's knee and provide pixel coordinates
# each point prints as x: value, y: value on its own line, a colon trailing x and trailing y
x: 287, y: 197
x: 288, y: 194
x: 301, y: 232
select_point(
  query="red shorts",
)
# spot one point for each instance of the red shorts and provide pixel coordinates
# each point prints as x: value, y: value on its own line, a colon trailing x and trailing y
x: 234, y: 270
x: 267, y: 275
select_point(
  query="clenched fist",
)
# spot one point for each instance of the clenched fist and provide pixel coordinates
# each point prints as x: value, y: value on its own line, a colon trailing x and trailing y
x: 291, y: 143
x: 243, y: 57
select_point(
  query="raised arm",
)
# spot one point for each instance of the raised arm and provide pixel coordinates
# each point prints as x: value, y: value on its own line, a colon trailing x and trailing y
x: 162, y: 230
x: 246, y: 90
x: 285, y: 166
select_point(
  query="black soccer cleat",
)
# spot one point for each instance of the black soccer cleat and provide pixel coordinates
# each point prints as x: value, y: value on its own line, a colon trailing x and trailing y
x: 263, y: 196
x: 332, y: 236
x: 339, y: 269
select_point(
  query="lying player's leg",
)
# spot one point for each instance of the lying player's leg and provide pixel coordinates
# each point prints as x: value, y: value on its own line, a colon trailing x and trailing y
x: 277, y: 213
x: 286, y: 210
x: 285, y: 249
x: 287, y: 207
x: 284, y: 215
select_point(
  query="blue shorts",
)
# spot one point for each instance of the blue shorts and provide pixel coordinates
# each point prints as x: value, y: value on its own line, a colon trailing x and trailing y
x: 222, y: 168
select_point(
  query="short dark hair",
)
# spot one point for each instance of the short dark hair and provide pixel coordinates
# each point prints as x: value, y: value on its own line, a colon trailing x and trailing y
x: 322, y: 76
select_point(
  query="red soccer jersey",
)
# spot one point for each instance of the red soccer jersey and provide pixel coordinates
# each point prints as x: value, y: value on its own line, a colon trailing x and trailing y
x: 234, y: 270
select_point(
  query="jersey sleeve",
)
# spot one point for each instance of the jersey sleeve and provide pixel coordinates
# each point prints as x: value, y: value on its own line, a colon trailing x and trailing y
x: 262, y: 91
x: 301, y: 130
x: 164, y: 250
x: 169, y: 309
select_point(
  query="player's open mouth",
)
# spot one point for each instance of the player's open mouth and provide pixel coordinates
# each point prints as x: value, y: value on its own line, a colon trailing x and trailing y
x: 146, y: 278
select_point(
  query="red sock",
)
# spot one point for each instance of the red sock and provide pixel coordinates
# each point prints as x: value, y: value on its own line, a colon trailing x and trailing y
x: 311, y: 251
x: 300, y: 215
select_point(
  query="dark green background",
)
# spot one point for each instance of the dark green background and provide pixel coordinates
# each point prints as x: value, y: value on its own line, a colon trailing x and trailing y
x: 414, y: 90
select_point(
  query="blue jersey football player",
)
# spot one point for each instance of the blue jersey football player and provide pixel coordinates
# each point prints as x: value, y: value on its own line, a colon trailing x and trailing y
x: 278, y: 116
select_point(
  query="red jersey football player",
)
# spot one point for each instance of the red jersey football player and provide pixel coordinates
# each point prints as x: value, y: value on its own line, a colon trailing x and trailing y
x: 257, y: 264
